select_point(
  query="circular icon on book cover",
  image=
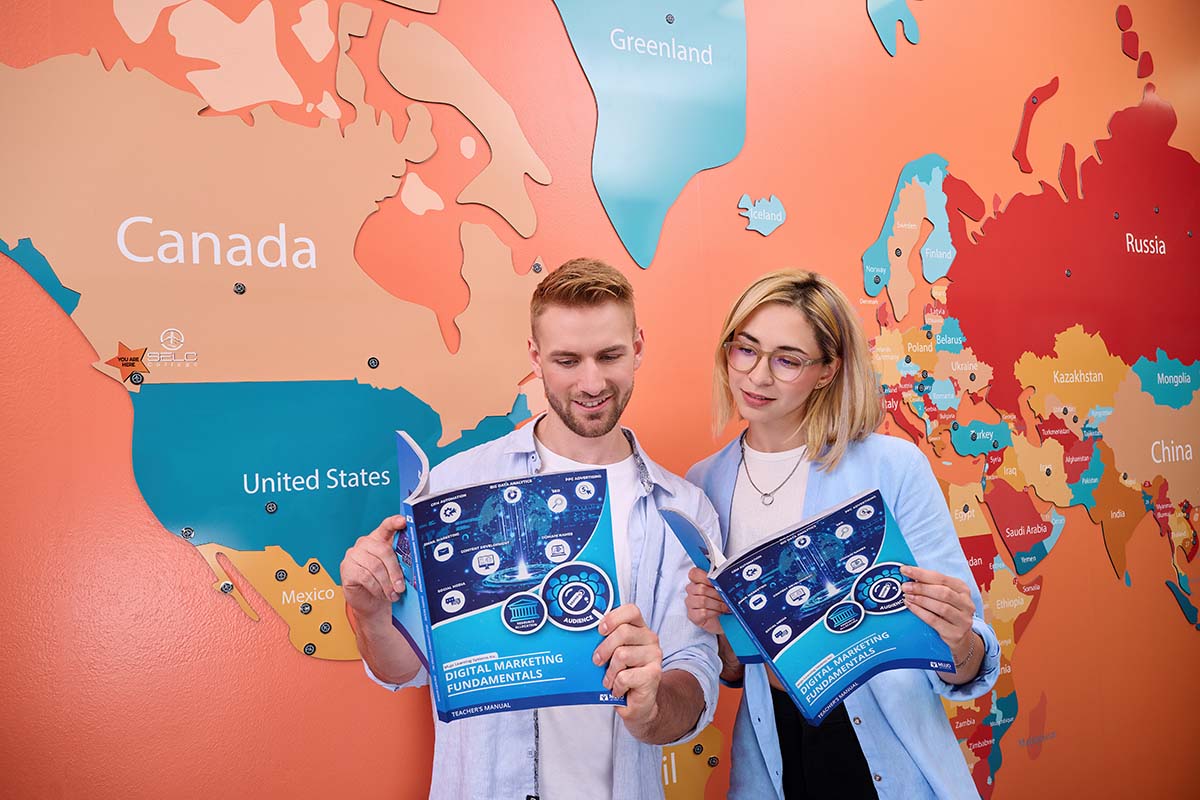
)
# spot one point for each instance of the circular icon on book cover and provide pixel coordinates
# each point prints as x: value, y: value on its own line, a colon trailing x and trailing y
x: 857, y: 563
x: 757, y: 601
x: 557, y: 550
x: 485, y: 561
x: 557, y: 503
x: 797, y: 595
x: 878, y: 589
x: 802, y: 541
x: 844, y: 531
x: 523, y: 613
x: 781, y: 633
x: 584, y: 490
x: 577, y: 595
x: 752, y: 572
x: 512, y: 494
x: 844, y: 617
x: 865, y: 512
x: 452, y: 601
x: 450, y: 512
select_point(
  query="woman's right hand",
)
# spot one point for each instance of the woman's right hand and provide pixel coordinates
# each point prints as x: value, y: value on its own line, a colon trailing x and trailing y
x: 704, y: 605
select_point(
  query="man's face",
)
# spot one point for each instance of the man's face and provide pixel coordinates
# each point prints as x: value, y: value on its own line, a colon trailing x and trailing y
x: 586, y: 358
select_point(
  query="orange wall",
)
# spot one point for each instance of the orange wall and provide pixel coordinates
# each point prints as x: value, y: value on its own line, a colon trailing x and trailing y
x: 127, y: 675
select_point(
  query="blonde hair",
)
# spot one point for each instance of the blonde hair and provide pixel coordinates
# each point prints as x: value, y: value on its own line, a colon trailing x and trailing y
x: 580, y: 283
x: 849, y: 407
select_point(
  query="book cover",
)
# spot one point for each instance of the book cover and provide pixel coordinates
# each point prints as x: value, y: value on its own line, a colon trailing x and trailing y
x: 508, y: 581
x: 821, y: 603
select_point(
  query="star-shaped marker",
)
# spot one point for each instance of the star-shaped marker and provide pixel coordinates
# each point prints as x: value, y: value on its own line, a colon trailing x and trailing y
x: 128, y: 361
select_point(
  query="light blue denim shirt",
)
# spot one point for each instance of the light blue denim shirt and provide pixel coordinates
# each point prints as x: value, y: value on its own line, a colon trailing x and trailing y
x: 898, y: 715
x: 496, y: 755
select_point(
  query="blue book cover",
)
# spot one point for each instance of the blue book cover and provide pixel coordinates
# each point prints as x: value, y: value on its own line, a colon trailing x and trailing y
x: 821, y: 603
x: 508, y: 582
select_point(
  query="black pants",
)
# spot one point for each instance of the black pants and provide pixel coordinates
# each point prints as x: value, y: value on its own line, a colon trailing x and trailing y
x: 823, y: 760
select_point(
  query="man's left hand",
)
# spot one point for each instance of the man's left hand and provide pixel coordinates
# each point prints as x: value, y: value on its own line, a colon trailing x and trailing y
x: 634, y: 660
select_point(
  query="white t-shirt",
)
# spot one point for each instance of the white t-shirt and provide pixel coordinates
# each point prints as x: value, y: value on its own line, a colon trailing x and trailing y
x: 751, y: 521
x: 576, y: 742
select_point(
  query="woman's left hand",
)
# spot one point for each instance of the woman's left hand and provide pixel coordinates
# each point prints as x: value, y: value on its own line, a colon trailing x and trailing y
x: 944, y: 603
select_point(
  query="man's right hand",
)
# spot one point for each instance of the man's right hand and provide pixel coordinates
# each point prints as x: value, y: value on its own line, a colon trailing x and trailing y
x: 371, y: 576
x: 704, y: 605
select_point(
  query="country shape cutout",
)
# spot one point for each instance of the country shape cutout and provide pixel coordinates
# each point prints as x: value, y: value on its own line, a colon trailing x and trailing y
x: 405, y: 55
x: 670, y: 88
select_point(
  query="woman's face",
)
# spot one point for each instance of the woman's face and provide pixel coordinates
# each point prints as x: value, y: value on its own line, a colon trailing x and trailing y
x: 783, y: 335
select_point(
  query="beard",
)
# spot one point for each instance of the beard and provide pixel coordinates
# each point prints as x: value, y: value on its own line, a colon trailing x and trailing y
x: 595, y: 424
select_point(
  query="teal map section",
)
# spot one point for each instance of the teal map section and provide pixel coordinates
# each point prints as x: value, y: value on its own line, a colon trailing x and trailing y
x: 1025, y: 560
x: 307, y: 465
x: 885, y: 14
x: 938, y: 253
x: 33, y: 262
x: 951, y: 338
x: 1168, y: 380
x: 763, y: 215
x: 670, y: 86
x: 977, y: 438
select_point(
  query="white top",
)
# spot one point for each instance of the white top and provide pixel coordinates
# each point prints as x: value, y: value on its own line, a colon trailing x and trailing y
x: 576, y: 757
x: 751, y: 520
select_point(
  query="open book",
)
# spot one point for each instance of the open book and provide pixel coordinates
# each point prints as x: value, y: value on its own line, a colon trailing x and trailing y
x: 820, y: 603
x: 507, y: 583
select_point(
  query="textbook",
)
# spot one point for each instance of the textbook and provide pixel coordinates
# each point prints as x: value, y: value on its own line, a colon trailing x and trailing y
x: 506, y: 584
x: 820, y: 603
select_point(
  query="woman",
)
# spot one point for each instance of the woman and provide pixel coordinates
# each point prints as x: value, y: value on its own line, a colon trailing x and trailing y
x: 794, y: 365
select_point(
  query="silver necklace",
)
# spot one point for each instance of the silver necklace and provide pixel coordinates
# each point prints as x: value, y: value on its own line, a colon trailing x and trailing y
x: 766, y: 497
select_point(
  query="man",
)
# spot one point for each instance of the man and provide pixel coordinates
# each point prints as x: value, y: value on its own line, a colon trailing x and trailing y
x: 585, y: 346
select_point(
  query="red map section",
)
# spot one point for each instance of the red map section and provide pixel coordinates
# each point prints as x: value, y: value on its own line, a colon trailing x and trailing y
x: 1033, y: 589
x: 1018, y: 522
x: 981, y: 558
x: 1015, y: 278
x: 1035, y: 101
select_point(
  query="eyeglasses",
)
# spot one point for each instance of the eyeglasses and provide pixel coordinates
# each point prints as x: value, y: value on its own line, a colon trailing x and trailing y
x: 784, y: 366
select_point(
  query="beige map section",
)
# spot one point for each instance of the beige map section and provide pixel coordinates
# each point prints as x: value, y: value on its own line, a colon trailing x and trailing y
x: 418, y: 136
x: 1010, y: 470
x: 353, y: 21
x: 291, y: 324
x: 259, y: 568
x: 424, y: 6
x: 1034, y: 461
x: 407, y: 55
x: 249, y: 71
x: 329, y: 107
x: 1073, y: 417
x: 906, y: 230
x: 138, y: 17
x: 1077, y: 355
x: 1137, y: 423
x: 965, y: 510
x: 419, y: 198
x: 887, y: 350
x: 313, y: 30
x: 960, y: 367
